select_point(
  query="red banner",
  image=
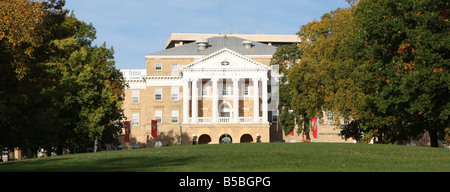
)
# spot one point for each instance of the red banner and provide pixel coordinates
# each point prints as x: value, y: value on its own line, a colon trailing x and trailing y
x: 314, y: 126
x: 154, y: 128
x: 292, y: 133
x: 127, y: 126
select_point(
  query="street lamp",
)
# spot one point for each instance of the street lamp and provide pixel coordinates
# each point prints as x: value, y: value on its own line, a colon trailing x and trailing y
x: 194, y: 139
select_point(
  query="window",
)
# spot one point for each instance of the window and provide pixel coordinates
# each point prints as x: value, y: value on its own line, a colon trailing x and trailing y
x: 175, y: 115
x: 158, y: 66
x: 227, y: 90
x: 224, y: 110
x: 205, y: 90
x: 275, y: 92
x: 175, y: 92
x: 224, y: 90
x: 330, y: 117
x: 135, y: 119
x: 245, y: 90
x: 174, y: 66
x: 276, y: 68
x: 275, y: 115
x: 135, y: 74
x: 158, y: 116
x: 135, y: 95
x: 158, y: 94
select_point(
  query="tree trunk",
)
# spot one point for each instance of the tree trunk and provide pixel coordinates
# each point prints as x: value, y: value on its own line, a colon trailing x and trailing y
x: 433, y: 138
x: 59, y: 150
x: 49, y: 151
x: 306, y: 124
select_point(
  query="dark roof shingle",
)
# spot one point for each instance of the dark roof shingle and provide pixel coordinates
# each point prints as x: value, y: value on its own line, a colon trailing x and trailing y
x: 216, y: 44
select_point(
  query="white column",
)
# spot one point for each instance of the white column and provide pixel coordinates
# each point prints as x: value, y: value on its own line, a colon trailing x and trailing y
x: 194, y: 101
x: 235, y: 100
x: 186, y: 101
x: 255, y: 101
x: 215, y: 103
x: 264, y: 100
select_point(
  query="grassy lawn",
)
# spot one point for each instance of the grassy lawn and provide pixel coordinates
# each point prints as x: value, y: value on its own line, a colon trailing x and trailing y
x: 251, y: 157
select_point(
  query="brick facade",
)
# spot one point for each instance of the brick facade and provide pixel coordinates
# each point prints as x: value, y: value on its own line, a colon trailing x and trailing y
x: 165, y: 90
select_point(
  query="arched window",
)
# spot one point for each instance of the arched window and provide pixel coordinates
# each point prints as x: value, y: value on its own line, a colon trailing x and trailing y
x: 225, y: 110
x: 204, y: 139
x: 246, y: 138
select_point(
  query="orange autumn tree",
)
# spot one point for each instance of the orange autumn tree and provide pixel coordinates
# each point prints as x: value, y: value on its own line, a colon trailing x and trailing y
x: 20, y: 28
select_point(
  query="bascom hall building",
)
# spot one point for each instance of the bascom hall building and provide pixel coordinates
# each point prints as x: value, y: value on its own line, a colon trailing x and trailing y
x: 204, y: 87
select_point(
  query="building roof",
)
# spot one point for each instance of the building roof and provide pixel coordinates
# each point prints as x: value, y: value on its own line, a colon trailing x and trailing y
x: 262, y: 38
x: 233, y: 61
x: 217, y: 43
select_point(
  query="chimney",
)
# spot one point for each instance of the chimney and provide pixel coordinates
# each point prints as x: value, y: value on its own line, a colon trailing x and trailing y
x: 201, y: 44
x: 247, y: 44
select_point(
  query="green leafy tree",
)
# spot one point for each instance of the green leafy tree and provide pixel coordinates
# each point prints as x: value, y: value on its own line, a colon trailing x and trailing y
x: 405, y: 69
x: 24, y: 107
x: 320, y: 78
x: 90, y: 86
x: 57, y: 89
x: 384, y: 63
x: 285, y: 57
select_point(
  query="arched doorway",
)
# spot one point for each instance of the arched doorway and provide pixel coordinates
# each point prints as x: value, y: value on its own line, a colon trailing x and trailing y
x: 225, y: 109
x: 246, y: 138
x: 221, y: 139
x: 204, y: 139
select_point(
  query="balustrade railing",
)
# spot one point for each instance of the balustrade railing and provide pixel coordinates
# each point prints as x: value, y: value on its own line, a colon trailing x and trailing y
x: 225, y: 120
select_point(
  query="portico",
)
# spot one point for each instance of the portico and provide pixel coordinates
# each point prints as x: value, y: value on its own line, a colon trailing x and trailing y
x: 228, y: 109
x: 223, y: 84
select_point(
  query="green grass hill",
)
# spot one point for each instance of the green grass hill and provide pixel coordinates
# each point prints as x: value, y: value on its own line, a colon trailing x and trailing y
x: 250, y: 157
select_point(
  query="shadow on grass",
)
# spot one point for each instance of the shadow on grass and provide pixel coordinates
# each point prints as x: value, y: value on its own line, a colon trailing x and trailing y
x: 116, y: 164
x: 140, y: 164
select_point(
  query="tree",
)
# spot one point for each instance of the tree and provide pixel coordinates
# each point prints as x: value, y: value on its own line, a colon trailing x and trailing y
x: 57, y: 89
x: 93, y: 96
x: 285, y: 57
x: 320, y: 77
x: 90, y: 86
x: 384, y: 63
x: 22, y: 104
x: 405, y: 68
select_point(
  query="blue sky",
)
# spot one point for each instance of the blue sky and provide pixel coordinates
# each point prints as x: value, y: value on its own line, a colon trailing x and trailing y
x: 138, y: 27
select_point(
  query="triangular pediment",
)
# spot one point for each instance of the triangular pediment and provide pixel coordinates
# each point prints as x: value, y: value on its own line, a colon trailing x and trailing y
x: 225, y: 59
